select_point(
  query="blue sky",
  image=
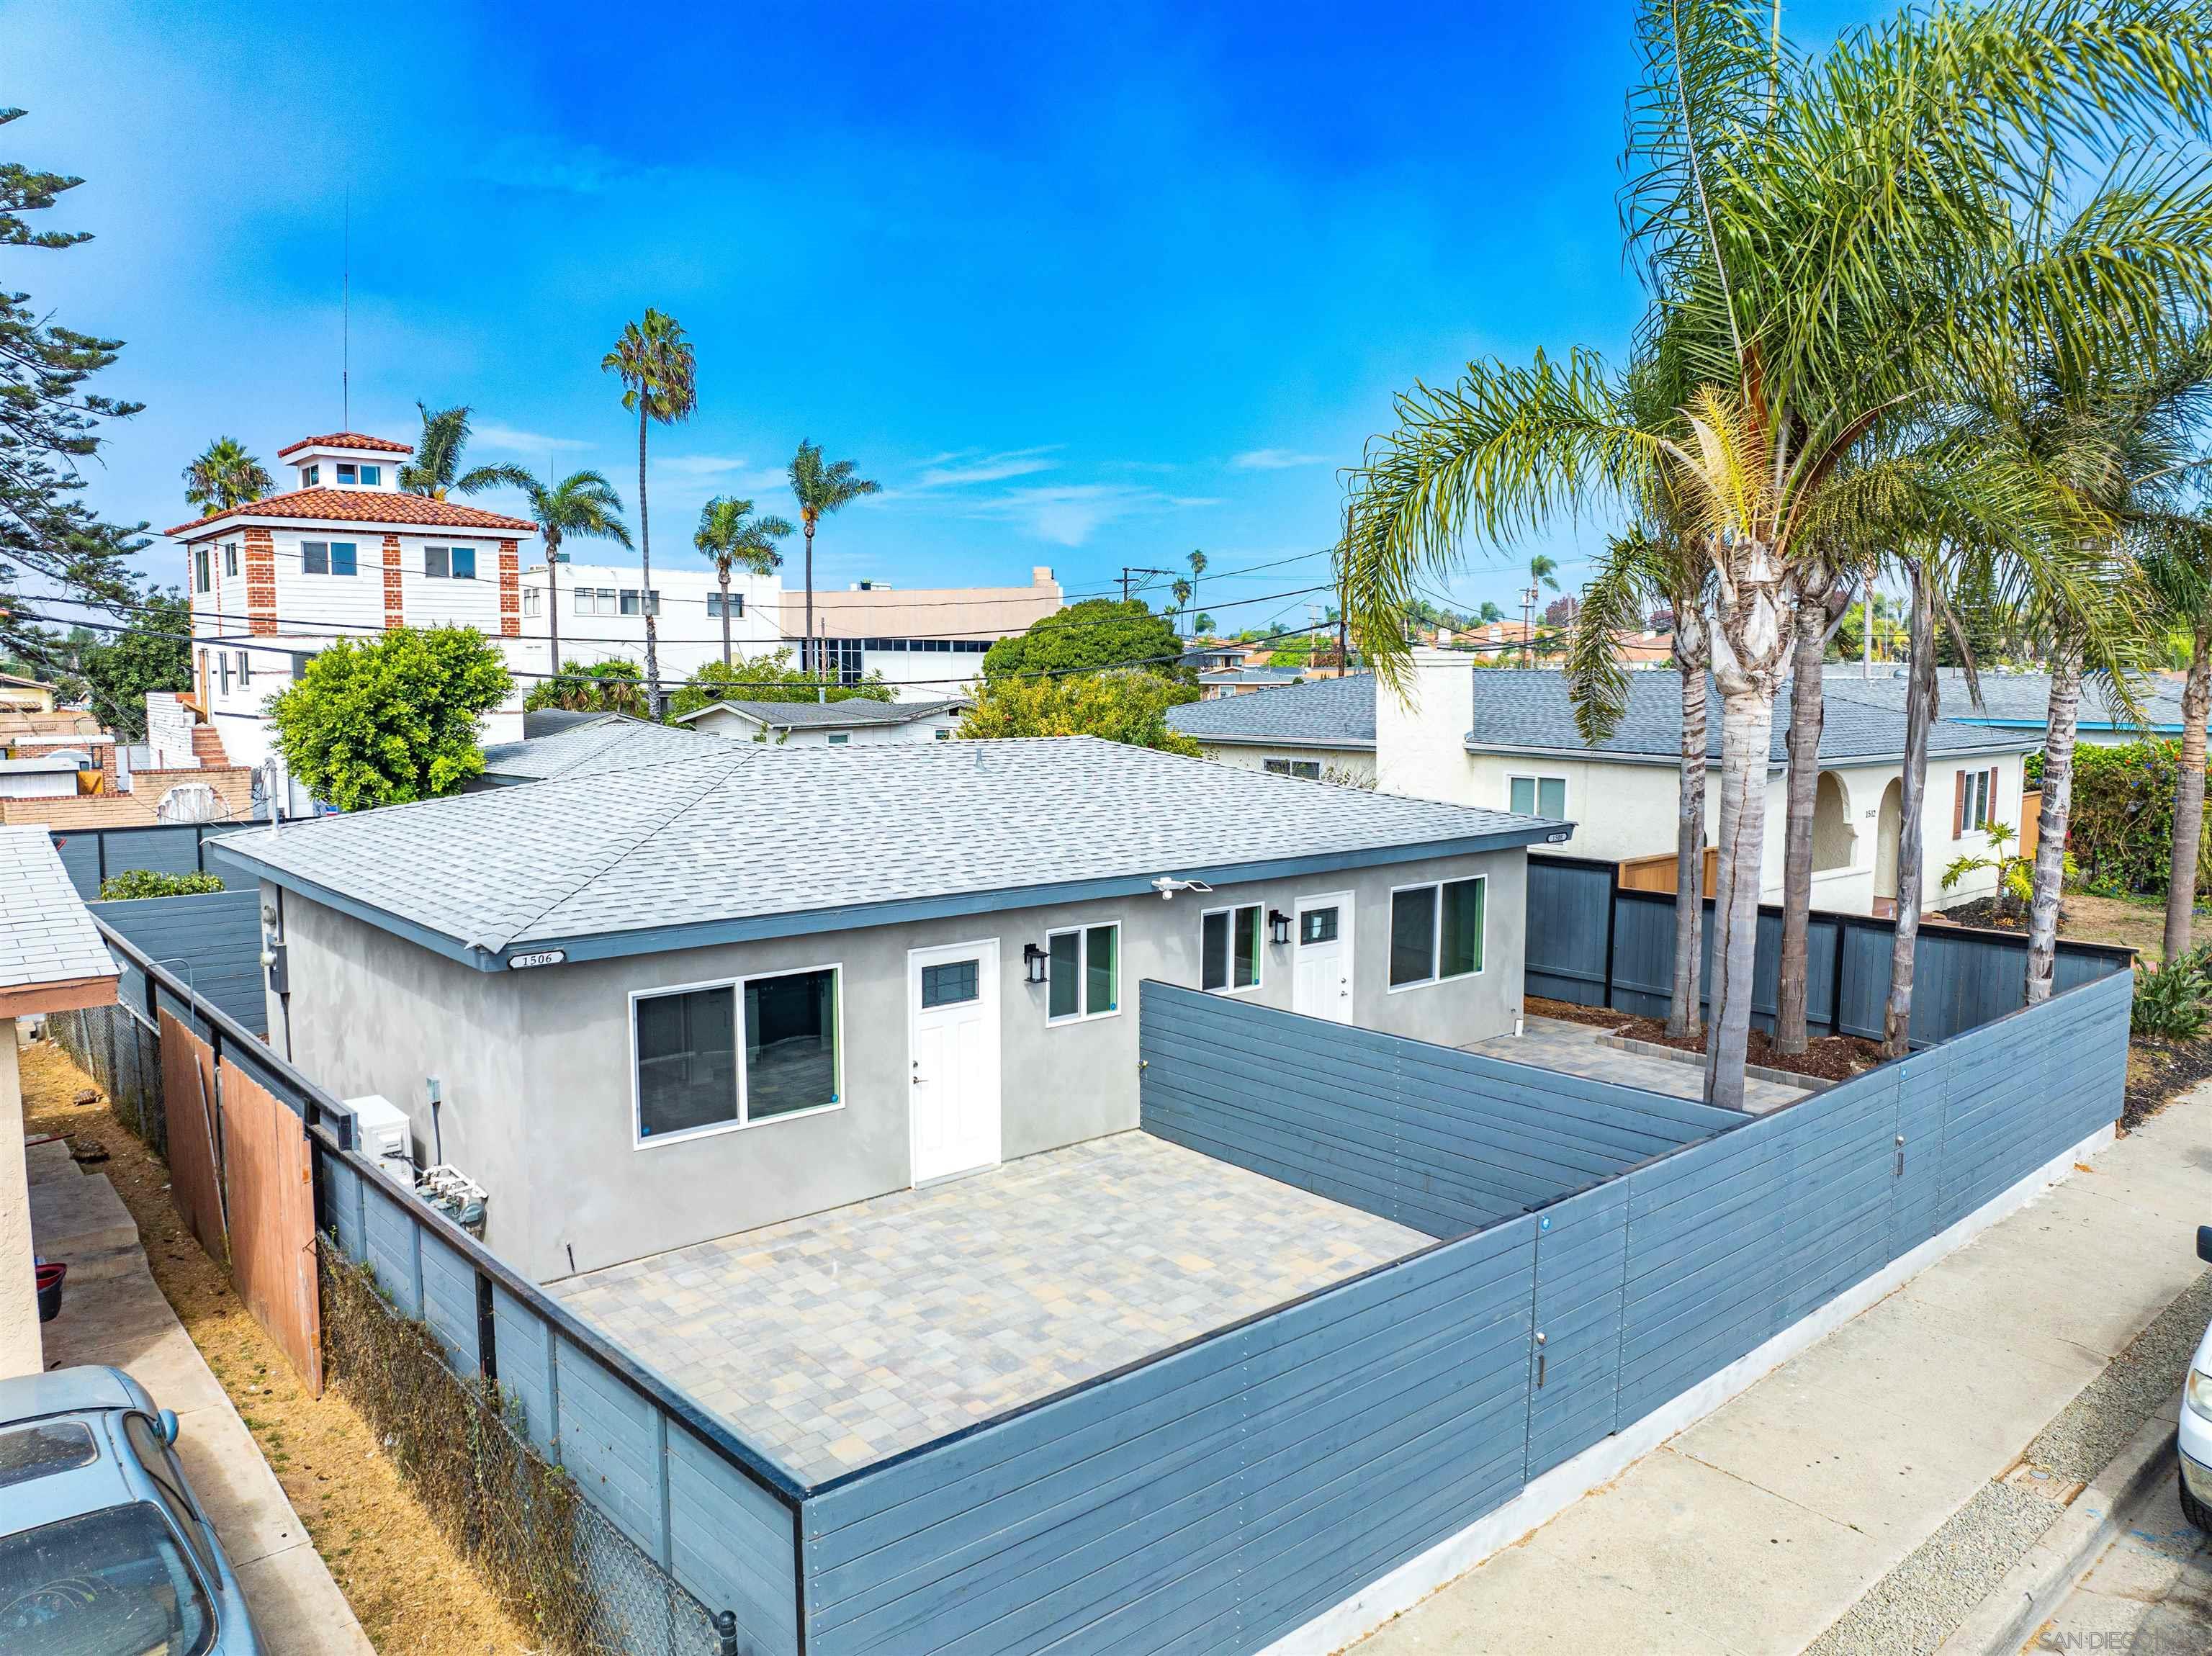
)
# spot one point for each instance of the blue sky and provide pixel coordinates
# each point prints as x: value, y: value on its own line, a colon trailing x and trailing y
x: 1080, y: 286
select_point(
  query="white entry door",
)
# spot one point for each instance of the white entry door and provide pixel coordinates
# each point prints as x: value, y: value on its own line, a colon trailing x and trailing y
x: 952, y: 1001
x: 1320, y: 983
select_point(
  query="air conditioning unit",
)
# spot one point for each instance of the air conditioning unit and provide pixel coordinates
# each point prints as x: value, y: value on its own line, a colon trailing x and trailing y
x: 383, y: 1134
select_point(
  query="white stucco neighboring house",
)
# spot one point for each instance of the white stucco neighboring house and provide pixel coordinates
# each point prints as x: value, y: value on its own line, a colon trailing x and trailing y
x: 857, y: 722
x: 1505, y: 739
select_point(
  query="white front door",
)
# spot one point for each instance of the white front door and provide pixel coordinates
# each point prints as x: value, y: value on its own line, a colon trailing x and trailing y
x: 1321, y: 984
x: 952, y: 1000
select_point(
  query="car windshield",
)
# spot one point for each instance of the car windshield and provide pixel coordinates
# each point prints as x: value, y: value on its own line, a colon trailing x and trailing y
x: 108, y: 1583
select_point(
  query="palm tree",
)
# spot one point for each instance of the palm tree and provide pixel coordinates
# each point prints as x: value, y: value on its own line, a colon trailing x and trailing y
x: 1542, y: 572
x: 224, y: 476
x: 1180, y: 590
x: 1821, y: 597
x: 659, y: 377
x: 2180, y: 571
x: 436, y: 467
x: 733, y: 537
x: 1798, y: 316
x: 820, y: 489
x: 582, y: 503
x: 1197, y: 567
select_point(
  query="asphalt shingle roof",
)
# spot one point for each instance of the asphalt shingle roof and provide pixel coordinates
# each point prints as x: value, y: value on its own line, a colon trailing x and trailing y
x: 822, y: 715
x: 2014, y: 698
x: 1528, y: 708
x: 735, y: 841
x: 608, y: 742
x: 46, y: 935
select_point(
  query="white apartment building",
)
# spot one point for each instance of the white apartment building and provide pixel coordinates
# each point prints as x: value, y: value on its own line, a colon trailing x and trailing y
x: 597, y: 612
x: 927, y: 642
x: 344, y: 553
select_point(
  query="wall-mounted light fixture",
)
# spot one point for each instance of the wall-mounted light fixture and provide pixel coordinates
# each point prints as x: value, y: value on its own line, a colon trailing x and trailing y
x: 1033, y: 961
x: 1278, y: 926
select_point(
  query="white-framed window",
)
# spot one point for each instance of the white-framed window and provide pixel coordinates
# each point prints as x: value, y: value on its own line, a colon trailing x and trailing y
x: 230, y: 558
x: 1308, y: 769
x: 944, y: 735
x: 840, y: 738
x: 202, y: 570
x: 1437, y: 931
x: 1537, y: 796
x: 372, y: 477
x: 245, y: 668
x: 222, y: 661
x: 634, y: 602
x: 310, y: 477
x: 345, y: 473
x: 449, y: 562
x: 326, y: 558
x: 740, y: 1052
x: 1974, y: 802
x: 736, y: 606
x: 1083, y: 973
x: 1229, y: 948
x: 533, y: 601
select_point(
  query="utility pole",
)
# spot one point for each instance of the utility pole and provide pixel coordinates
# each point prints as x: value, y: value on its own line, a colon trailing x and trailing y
x: 1126, y: 572
x: 1529, y: 625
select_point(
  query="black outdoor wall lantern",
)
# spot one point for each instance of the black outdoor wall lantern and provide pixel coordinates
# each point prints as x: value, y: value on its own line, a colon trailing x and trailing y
x: 1278, y: 926
x: 1033, y: 959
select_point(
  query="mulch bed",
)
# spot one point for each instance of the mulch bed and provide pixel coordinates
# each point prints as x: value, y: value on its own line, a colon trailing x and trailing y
x: 2159, y: 1072
x: 1829, y: 1057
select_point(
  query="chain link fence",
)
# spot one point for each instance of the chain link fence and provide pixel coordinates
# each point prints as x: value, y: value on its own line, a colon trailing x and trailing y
x: 116, y: 1047
x: 558, y: 1564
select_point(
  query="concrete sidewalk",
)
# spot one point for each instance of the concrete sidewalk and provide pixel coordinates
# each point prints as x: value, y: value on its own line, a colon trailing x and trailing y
x: 1757, y: 1528
x: 113, y: 1312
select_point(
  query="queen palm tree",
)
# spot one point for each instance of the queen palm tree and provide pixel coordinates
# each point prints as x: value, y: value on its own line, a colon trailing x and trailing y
x: 821, y: 489
x: 223, y: 476
x: 437, y: 468
x: 1197, y: 561
x: 733, y: 538
x: 582, y: 503
x: 1797, y: 316
x: 1542, y: 572
x: 658, y: 373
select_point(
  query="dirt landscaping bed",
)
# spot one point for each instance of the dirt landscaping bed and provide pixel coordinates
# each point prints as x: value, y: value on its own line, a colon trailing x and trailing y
x: 410, y: 1588
x: 1828, y: 1058
x: 2159, y: 1072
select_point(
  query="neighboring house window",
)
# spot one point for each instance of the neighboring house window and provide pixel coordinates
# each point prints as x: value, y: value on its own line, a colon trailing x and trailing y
x: 230, y: 558
x: 310, y: 477
x: 450, y: 562
x: 583, y: 600
x: 345, y: 473
x: 1538, y: 796
x: 222, y: 660
x: 1229, y: 948
x: 245, y: 669
x: 630, y: 601
x: 1086, y: 976
x: 1973, y: 801
x: 1308, y: 769
x: 372, y: 477
x: 736, y: 606
x: 533, y: 601
x: 839, y: 738
x: 652, y: 602
x: 736, y: 1054
x: 202, y: 570
x: 944, y: 735
x: 326, y: 557
x: 1436, y: 931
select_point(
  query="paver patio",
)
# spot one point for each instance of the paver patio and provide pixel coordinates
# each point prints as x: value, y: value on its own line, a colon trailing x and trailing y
x: 834, y: 1341
x: 1573, y: 1049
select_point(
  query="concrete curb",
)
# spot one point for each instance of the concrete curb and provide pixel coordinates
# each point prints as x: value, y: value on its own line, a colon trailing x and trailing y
x: 1756, y: 1072
x: 2032, y: 1588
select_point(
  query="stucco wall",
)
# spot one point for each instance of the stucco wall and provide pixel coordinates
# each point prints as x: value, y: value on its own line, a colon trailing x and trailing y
x: 538, y: 1063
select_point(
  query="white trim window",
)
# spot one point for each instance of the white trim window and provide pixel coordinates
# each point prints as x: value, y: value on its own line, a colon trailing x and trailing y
x: 533, y: 601
x: 716, y: 1057
x: 1084, y: 974
x: 1229, y: 949
x: 1307, y: 769
x: 230, y: 558
x: 1537, y: 796
x: 327, y: 558
x: 202, y: 569
x: 449, y: 562
x: 1437, y: 931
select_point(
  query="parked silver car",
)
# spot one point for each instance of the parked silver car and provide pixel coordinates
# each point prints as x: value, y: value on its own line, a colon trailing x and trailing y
x: 103, y: 1550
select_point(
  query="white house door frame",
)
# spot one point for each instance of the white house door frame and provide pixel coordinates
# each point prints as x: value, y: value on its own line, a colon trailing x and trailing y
x: 952, y: 1012
x: 1321, y: 945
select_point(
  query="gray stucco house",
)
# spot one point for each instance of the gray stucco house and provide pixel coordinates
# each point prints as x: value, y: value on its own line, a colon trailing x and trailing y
x: 739, y: 983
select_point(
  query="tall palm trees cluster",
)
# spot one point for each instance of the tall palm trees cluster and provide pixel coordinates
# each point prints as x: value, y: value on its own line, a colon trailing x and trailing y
x: 658, y: 369
x: 1928, y: 301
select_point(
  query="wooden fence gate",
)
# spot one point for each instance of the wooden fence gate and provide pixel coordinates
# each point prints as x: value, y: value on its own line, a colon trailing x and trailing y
x: 195, y: 1164
x: 270, y: 1175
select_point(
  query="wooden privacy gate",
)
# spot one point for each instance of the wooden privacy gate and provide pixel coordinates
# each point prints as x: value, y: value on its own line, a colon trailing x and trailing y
x: 270, y: 1175
x: 195, y: 1164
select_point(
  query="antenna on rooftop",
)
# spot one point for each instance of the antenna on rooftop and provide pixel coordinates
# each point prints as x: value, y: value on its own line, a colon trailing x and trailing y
x: 345, y: 320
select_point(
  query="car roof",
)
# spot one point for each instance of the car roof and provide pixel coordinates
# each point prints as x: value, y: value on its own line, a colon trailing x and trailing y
x: 112, y: 1479
x: 64, y: 1391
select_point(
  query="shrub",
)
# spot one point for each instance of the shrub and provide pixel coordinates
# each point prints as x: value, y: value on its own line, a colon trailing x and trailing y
x: 135, y: 882
x: 2121, y: 828
x: 2169, y: 999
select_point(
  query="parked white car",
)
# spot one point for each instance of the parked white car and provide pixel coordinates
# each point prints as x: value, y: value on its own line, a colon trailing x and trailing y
x: 2196, y: 1419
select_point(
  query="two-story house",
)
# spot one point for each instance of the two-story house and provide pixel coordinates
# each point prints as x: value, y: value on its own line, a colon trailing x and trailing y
x: 344, y: 553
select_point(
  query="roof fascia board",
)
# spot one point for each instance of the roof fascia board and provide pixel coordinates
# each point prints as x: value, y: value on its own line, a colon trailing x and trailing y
x: 701, y: 934
x: 1208, y: 738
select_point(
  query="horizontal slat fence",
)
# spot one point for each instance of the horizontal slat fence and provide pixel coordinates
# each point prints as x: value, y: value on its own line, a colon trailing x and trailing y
x: 1217, y: 1497
x: 211, y: 939
x: 1440, y: 1140
x: 1593, y: 942
x: 91, y: 855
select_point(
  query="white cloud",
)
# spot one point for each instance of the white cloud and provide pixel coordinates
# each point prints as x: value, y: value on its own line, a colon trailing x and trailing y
x: 1067, y: 514
x: 1275, y: 459
x: 491, y: 434
x: 961, y: 470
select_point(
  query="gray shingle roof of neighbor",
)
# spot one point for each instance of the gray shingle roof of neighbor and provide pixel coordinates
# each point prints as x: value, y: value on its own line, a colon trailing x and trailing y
x: 46, y: 934
x: 735, y: 843
x: 2022, y: 699
x: 853, y: 713
x: 1526, y: 709
x: 611, y: 742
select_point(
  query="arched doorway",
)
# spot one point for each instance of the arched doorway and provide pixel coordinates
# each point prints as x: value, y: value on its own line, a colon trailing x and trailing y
x: 1833, y: 841
x: 1885, y: 847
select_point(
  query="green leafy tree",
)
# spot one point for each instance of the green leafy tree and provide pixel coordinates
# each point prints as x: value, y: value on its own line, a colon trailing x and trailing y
x: 48, y: 427
x: 769, y: 677
x: 383, y: 721
x: 435, y: 471
x: 821, y: 489
x: 1204, y: 625
x: 134, y: 883
x: 730, y: 537
x: 1087, y: 638
x: 152, y: 653
x: 1126, y: 706
x: 659, y: 375
x: 225, y: 475
x: 592, y: 687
